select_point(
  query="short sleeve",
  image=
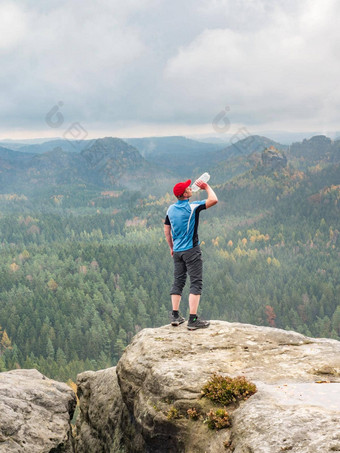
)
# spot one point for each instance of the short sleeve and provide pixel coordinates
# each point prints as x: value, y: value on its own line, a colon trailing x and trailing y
x: 201, y: 204
x: 167, y: 221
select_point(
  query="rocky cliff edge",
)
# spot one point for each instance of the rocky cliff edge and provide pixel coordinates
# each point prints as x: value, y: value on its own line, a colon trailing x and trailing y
x: 141, y: 405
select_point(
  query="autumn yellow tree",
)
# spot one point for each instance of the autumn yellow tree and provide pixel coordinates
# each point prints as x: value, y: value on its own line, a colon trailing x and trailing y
x: 14, y: 267
x: 5, y: 342
x: 52, y: 285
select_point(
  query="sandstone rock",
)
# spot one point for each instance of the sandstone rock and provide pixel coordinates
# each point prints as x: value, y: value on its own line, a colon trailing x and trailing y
x: 274, y: 159
x: 163, y: 370
x: 103, y: 415
x: 35, y: 413
x: 299, y: 418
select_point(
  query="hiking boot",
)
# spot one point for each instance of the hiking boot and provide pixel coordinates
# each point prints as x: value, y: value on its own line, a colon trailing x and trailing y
x: 198, y: 324
x: 176, y: 321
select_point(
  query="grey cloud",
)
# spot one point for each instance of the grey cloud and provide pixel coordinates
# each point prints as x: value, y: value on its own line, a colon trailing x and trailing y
x: 155, y: 61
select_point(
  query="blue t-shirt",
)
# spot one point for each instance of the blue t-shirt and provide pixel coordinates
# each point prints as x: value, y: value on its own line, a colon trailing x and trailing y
x: 183, y: 218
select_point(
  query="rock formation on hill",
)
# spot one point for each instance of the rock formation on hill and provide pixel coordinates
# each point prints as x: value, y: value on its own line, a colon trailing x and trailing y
x: 35, y: 413
x: 141, y: 406
x: 273, y: 159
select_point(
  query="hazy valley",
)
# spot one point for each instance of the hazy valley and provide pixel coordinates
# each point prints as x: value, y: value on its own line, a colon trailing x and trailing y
x: 85, y: 265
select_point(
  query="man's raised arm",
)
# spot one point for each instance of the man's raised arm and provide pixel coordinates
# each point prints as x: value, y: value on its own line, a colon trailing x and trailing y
x: 212, y: 198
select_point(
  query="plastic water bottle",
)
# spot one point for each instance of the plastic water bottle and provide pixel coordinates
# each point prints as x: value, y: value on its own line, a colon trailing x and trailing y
x: 205, y: 178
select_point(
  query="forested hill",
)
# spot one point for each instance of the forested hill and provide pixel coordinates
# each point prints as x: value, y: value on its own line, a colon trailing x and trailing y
x: 183, y: 156
x: 244, y: 147
x: 317, y: 151
x: 82, y: 272
x: 274, y: 181
x: 105, y: 163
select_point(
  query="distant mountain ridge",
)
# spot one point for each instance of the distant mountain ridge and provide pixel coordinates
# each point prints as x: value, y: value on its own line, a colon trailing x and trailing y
x: 114, y: 163
x: 188, y: 158
x: 316, y: 150
x: 154, y: 146
x: 176, y: 154
x: 238, y: 157
x: 118, y: 163
x: 107, y: 162
x: 181, y: 155
x: 9, y: 154
x: 245, y: 147
x: 273, y: 182
x: 72, y: 146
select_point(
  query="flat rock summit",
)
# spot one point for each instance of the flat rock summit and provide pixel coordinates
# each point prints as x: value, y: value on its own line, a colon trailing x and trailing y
x: 141, y: 405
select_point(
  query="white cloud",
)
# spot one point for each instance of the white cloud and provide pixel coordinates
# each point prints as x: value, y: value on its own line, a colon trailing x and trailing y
x: 78, y: 49
x: 12, y: 26
x: 116, y: 62
x: 286, y: 67
x: 76, y: 52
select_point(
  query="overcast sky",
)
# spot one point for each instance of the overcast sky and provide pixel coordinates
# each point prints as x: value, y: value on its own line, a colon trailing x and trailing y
x: 161, y: 67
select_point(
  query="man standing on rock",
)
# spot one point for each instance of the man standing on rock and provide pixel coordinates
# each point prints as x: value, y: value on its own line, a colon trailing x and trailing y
x: 180, y: 229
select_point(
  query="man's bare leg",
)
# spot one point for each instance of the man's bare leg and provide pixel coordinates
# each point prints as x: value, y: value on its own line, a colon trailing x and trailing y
x: 194, y: 300
x: 176, y: 300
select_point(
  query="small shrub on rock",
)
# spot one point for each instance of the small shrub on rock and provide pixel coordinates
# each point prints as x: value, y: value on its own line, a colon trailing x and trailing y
x: 226, y: 390
x: 172, y: 413
x: 193, y: 414
x: 218, y: 419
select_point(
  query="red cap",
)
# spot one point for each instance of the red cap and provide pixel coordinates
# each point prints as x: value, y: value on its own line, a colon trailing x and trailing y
x: 179, y: 188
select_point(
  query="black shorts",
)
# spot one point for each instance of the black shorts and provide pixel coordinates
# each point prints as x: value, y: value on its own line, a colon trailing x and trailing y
x: 188, y: 262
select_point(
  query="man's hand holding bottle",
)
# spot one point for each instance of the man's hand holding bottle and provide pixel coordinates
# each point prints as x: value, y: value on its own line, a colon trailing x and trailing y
x: 201, y: 184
